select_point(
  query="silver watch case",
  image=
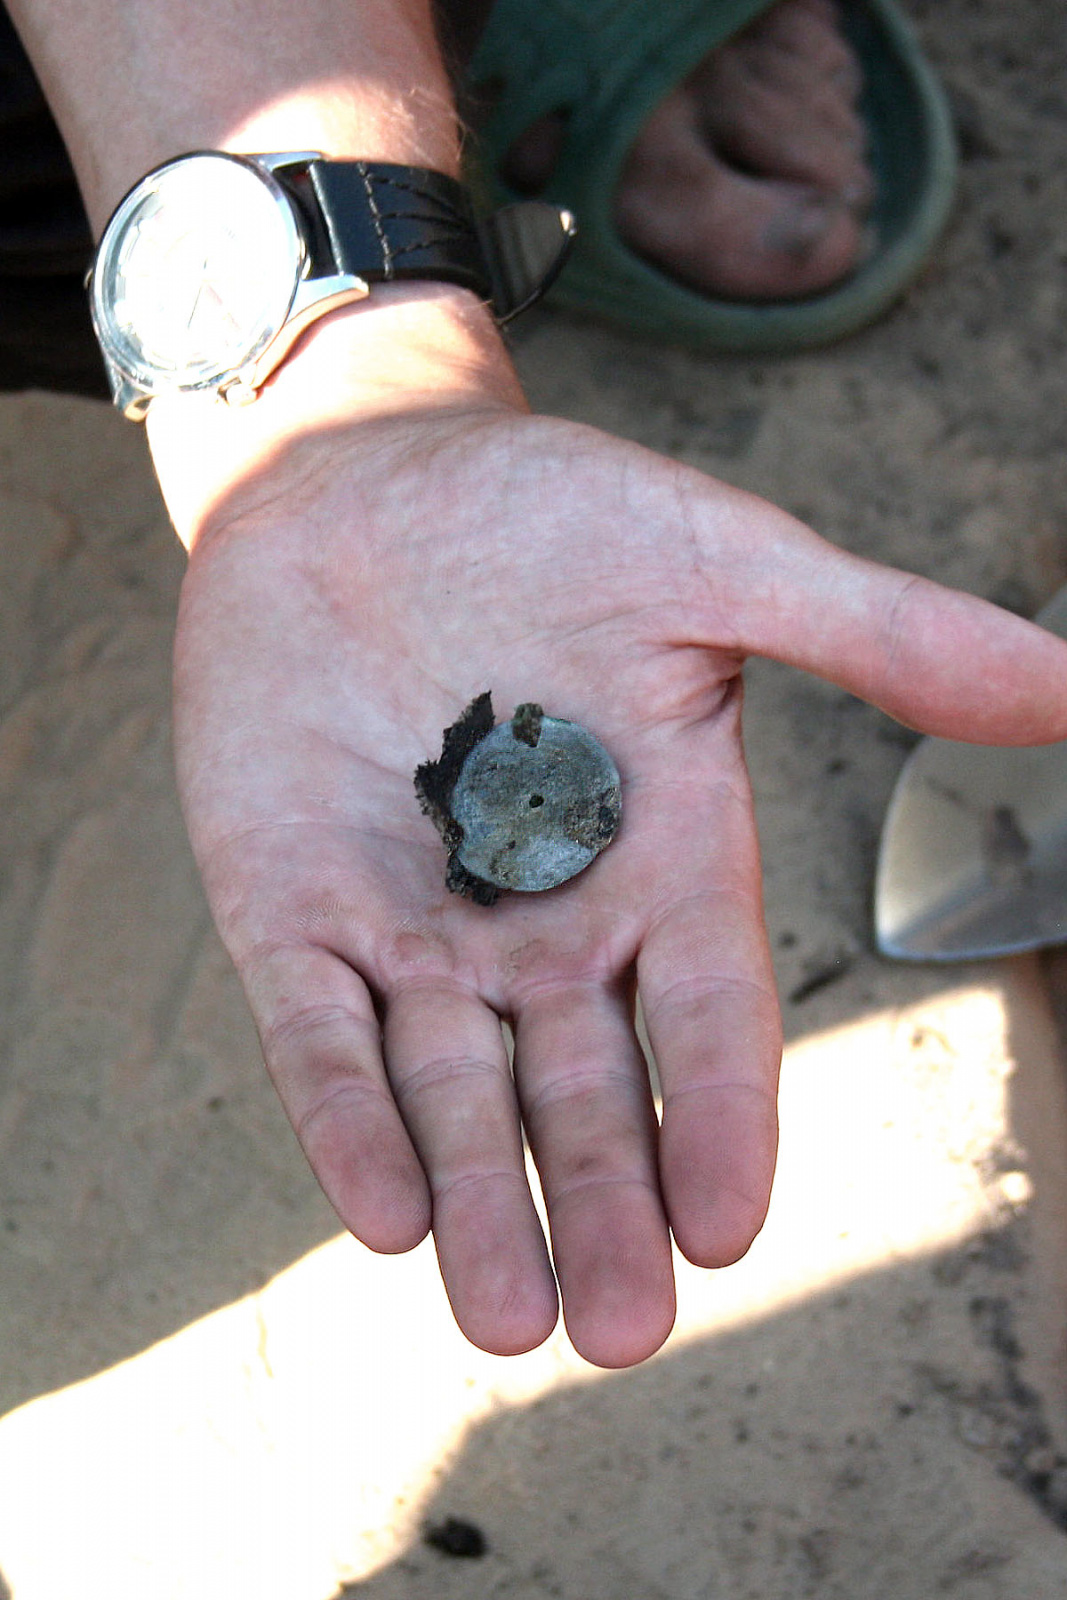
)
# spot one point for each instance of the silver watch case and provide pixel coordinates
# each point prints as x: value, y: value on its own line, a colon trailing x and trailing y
x: 294, y: 298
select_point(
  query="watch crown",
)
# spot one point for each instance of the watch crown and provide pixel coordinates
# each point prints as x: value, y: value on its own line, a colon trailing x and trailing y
x: 238, y: 392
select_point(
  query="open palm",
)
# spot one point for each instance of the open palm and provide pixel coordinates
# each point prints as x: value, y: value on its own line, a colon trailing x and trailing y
x: 329, y: 631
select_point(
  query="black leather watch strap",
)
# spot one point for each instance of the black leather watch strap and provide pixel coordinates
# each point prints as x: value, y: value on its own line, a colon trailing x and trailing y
x: 385, y: 223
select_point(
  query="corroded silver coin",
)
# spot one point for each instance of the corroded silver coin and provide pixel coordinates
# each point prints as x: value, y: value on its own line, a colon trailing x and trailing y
x: 535, y: 811
x: 524, y: 806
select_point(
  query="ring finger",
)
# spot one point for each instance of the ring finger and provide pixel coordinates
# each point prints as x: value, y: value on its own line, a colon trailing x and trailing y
x: 591, y: 1121
x: 449, y: 1072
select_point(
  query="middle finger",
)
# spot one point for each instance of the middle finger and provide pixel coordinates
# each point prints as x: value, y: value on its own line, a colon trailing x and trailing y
x: 591, y: 1121
x: 448, y: 1067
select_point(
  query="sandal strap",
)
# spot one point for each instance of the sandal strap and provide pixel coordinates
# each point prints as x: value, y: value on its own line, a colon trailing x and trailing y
x: 604, y: 64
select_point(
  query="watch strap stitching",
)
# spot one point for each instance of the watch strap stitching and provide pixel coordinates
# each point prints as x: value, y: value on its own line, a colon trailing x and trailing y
x: 376, y: 220
x: 441, y: 227
x: 440, y: 223
x: 436, y: 211
x: 387, y: 222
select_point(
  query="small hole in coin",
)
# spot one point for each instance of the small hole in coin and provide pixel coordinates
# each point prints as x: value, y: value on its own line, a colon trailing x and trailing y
x: 537, y: 800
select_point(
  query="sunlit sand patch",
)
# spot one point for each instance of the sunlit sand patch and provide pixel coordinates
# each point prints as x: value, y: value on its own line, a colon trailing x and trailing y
x: 288, y: 1443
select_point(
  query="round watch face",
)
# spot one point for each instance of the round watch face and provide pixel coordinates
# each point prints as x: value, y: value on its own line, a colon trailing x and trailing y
x: 196, y: 272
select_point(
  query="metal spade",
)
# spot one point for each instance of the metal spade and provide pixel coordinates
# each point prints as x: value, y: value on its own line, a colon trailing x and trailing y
x: 973, y: 860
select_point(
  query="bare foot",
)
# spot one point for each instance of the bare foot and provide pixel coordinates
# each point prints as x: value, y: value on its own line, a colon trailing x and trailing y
x: 750, y: 179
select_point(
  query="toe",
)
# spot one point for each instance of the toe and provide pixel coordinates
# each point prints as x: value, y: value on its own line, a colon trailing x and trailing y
x: 811, y: 137
x: 803, y: 32
x: 781, y: 99
x: 722, y: 231
x: 837, y: 79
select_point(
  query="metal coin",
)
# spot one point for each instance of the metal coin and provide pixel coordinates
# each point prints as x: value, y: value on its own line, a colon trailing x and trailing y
x: 537, y: 800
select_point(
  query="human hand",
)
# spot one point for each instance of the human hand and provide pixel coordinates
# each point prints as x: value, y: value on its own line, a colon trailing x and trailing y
x: 344, y: 602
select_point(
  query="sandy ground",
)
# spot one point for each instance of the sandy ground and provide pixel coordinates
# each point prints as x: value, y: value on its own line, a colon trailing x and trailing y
x: 204, y: 1391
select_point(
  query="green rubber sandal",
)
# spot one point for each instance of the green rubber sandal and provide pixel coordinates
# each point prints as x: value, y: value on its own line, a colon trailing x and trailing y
x: 605, y: 64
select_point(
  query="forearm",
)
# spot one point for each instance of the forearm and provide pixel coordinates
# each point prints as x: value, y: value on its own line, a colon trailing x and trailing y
x: 133, y: 84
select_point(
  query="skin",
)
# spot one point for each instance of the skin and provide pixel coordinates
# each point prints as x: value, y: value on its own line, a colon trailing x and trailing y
x: 385, y: 533
x: 344, y: 600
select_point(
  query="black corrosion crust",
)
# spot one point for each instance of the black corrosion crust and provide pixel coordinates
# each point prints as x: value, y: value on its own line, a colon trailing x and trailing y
x: 434, y: 783
x: 526, y: 723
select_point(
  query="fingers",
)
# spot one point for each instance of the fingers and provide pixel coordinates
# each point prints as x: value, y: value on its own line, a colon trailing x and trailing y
x: 943, y: 662
x: 452, y: 1081
x: 321, y: 1042
x: 712, y: 1020
x: 708, y: 994
x: 591, y: 1123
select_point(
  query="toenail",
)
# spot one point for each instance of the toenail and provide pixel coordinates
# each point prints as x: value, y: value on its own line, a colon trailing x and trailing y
x: 797, y: 230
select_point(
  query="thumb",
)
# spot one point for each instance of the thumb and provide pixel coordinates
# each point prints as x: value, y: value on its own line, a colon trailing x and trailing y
x: 943, y: 662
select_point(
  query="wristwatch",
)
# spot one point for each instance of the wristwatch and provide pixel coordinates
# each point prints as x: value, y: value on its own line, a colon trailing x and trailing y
x: 213, y: 265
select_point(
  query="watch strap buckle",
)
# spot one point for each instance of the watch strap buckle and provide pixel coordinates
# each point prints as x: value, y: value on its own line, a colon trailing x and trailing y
x: 526, y: 246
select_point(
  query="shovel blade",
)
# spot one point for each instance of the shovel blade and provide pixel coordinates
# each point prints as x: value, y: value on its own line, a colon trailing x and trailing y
x: 974, y: 854
x: 973, y: 859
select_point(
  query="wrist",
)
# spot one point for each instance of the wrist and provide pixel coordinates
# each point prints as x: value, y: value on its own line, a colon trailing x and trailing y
x: 412, y: 350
